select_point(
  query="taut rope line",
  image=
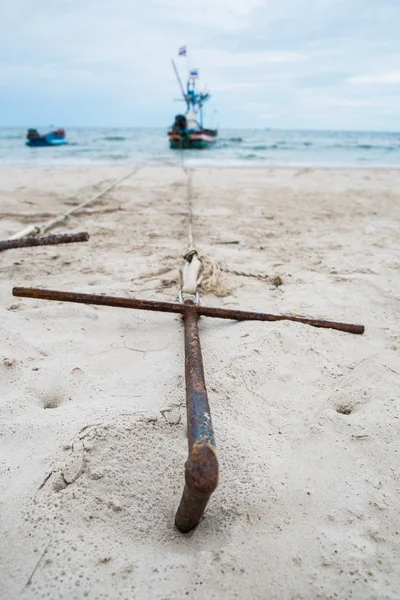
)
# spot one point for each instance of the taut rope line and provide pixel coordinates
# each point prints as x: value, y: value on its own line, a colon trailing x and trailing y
x: 192, y: 266
x: 190, y: 208
x: 47, y: 225
x: 210, y: 270
x: 198, y: 269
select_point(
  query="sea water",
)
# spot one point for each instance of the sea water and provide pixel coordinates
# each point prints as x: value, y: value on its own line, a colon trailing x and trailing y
x: 234, y: 147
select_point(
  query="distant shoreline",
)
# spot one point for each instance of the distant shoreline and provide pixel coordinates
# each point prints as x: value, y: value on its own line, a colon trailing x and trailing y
x: 165, y: 127
x: 234, y: 148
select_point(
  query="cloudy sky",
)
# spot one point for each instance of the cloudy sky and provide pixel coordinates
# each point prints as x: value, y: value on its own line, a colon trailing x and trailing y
x: 307, y: 64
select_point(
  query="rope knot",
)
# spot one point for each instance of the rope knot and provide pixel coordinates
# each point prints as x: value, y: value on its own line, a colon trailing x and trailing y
x: 190, y: 255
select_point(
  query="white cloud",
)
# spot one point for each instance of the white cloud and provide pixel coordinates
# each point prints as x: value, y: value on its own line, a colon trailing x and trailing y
x: 382, y: 79
x: 250, y: 86
x: 238, y: 86
x: 222, y: 59
x: 223, y: 15
x: 269, y: 116
x: 334, y: 60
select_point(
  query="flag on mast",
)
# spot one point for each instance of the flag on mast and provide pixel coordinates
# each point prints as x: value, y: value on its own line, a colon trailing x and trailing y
x: 182, y: 51
x: 194, y: 73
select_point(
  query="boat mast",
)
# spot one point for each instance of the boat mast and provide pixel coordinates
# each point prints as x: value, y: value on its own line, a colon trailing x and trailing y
x: 192, y: 98
x: 185, y: 96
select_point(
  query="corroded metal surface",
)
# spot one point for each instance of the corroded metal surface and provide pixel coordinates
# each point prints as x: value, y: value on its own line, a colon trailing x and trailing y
x: 48, y: 240
x: 201, y: 469
x: 171, y: 307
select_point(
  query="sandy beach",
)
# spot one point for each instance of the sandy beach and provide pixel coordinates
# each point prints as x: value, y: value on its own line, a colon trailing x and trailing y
x: 93, y: 428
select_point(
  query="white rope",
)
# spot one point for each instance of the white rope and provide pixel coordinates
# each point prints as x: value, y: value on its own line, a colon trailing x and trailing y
x: 275, y: 280
x: 192, y: 266
x: 44, y: 227
x: 190, y: 209
x: 242, y: 273
x: 190, y: 275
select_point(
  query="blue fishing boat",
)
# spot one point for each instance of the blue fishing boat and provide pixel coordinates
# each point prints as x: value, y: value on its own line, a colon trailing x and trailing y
x: 188, y: 130
x: 53, y: 138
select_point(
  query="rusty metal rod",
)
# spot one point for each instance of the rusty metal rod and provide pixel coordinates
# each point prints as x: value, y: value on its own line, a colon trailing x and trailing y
x: 48, y: 240
x: 201, y: 468
x: 170, y: 307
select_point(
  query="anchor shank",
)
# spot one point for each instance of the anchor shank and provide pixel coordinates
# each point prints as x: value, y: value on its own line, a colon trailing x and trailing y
x: 201, y: 469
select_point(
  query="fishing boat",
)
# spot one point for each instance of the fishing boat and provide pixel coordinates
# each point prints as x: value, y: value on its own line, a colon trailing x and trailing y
x: 53, y: 138
x: 188, y: 130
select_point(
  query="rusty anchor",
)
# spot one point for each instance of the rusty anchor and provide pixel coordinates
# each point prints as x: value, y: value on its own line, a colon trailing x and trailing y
x: 201, y: 469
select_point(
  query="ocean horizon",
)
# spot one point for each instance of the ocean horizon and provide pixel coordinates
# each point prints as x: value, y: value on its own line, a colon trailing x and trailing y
x: 234, y: 147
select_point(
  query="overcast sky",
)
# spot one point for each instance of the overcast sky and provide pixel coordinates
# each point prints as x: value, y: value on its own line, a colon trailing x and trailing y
x: 307, y: 64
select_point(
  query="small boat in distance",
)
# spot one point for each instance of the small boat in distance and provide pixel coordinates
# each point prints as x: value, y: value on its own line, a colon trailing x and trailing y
x: 187, y: 130
x: 53, y: 138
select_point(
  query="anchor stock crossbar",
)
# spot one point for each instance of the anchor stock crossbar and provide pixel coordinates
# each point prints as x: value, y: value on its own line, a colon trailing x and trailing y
x: 201, y: 469
x: 172, y: 307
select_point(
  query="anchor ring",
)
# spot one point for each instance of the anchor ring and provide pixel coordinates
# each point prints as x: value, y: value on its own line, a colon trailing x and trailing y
x: 196, y: 297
